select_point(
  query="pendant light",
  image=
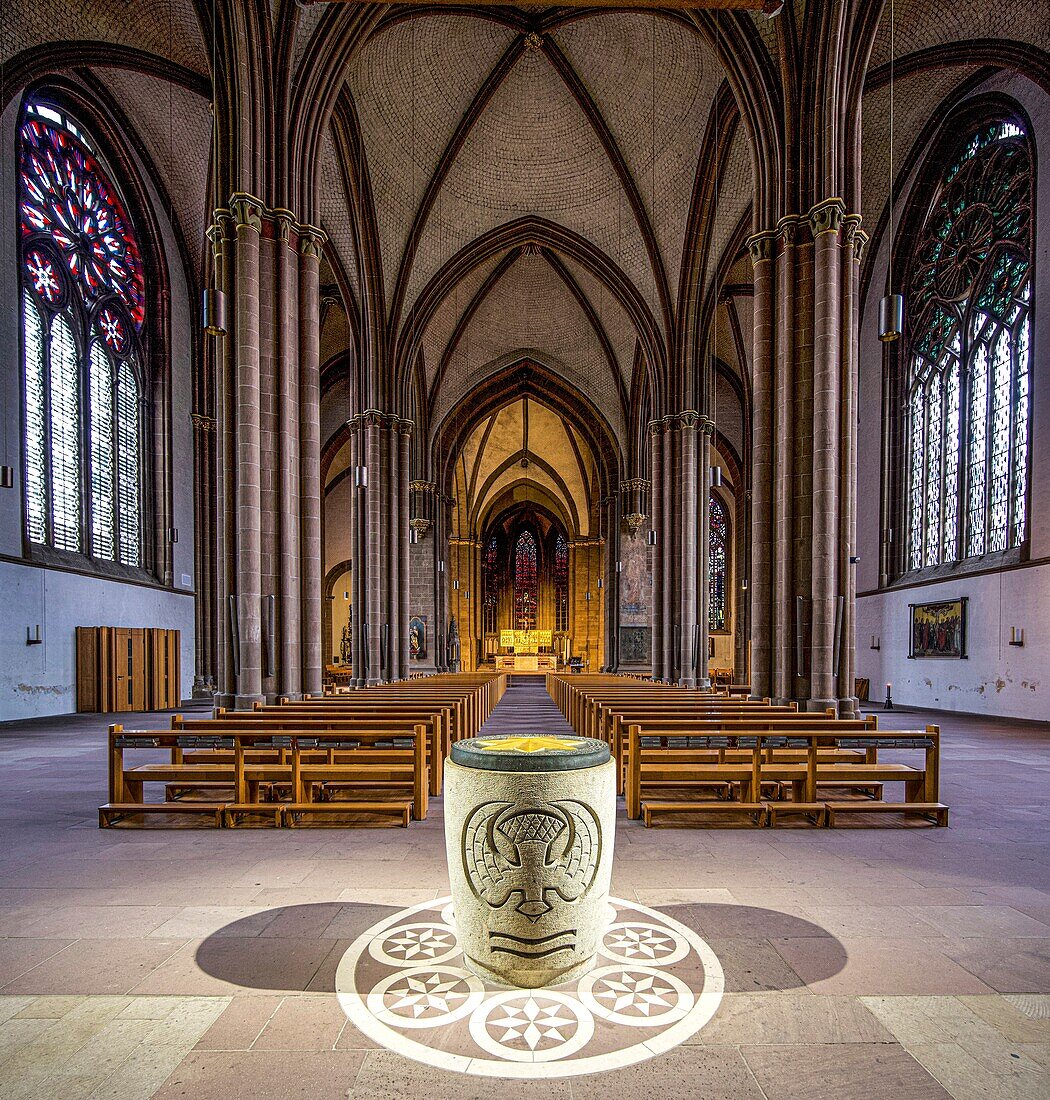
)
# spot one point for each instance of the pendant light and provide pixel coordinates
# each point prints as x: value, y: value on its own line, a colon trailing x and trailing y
x: 213, y: 304
x: 891, y: 308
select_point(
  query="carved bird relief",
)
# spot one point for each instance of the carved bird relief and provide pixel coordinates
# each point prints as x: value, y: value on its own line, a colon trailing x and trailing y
x: 531, y: 851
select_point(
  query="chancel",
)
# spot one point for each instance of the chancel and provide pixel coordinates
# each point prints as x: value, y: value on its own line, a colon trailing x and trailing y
x: 525, y: 547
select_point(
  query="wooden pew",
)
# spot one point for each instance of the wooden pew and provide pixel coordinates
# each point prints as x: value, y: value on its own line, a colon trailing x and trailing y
x: 696, y: 767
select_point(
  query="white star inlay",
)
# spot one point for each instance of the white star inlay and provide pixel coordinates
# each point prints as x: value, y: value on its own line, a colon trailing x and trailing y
x: 435, y: 993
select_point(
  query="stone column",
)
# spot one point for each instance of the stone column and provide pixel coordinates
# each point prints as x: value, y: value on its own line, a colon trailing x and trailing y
x: 359, y: 570
x: 402, y: 541
x: 826, y: 222
x: 783, y: 424
x: 688, y: 487
x: 852, y: 251
x: 311, y: 241
x: 761, y: 248
x: 204, y: 548
x: 247, y: 215
x: 667, y: 549
x: 290, y: 592
x: 656, y: 451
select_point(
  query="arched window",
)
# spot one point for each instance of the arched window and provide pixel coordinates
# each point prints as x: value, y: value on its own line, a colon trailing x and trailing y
x: 83, y: 310
x: 490, y: 578
x: 968, y: 384
x: 526, y: 587
x: 717, y: 562
x: 561, y: 582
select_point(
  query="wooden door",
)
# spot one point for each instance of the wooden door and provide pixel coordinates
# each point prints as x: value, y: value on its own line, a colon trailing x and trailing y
x: 137, y: 670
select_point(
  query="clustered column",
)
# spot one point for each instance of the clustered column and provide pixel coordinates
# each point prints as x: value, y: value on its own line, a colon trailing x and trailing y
x: 267, y: 542
x: 679, y: 448
x: 379, y: 448
x: 804, y: 465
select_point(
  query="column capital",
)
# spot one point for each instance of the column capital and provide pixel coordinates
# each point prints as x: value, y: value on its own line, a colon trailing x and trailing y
x: 786, y: 230
x: 202, y: 422
x: 760, y: 246
x: 311, y: 241
x: 642, y: 484
x: 247, y: 211
x: 826, y: 216
x: 422, y: 487
x: 284, y: 225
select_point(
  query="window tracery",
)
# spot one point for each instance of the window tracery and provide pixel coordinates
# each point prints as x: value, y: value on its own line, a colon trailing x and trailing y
x: 967, y: 398
x: 718, y: 544
x: 83, y: 313
x: 526, y: 581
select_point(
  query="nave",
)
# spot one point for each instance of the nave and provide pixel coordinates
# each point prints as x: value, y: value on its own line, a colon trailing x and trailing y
x: 199, y: 962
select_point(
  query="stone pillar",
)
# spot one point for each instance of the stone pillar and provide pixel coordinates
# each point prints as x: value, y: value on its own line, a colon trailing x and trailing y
x: 311, y: 241
x: 852, y: 252
x: 826, y: 222
x: 359, y: 571
x: 783, y: 575
x: 247, y: 215
x: 688, y: 487
x: 402, y: 541
x: 667, y: 550
x: 204, y: 549
x: 612, y: 581
x: 761, y: 249
x: 656, y: 451
x: 292, y: 598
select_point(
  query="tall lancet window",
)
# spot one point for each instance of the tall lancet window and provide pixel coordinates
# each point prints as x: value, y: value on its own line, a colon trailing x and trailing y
x: 718, y: 559
x: 561, y: 582
x: 83, y: 311
x: 968, y: 383
x: 526, y: 581
x: 490, y: 575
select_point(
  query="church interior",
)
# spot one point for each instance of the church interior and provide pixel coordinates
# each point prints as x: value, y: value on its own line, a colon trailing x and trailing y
x: 526, y: 532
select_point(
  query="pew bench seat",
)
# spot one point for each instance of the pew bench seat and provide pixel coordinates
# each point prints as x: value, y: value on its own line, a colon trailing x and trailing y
x: 933, y: 811
x: 113, y: 812
x: 757, y: 811
x: 293, y: 812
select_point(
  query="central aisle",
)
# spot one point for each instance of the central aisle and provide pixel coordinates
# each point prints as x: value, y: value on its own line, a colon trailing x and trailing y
x: 526, y: 708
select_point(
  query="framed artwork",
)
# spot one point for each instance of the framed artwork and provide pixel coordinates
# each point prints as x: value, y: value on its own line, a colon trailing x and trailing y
x: 938, y: 629
x: 417, y: 637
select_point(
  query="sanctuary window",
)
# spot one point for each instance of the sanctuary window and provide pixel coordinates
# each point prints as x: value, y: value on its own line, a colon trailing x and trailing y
x: 718, y: 543
x: 490, y: 577
x: 561, y: 583
x: 526, y: 581
x: 967, y: 400
x: 83, y: 307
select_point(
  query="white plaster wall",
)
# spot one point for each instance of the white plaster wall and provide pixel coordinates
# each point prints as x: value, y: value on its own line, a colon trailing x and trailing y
x: 41, y: 679
x: 995, y: 678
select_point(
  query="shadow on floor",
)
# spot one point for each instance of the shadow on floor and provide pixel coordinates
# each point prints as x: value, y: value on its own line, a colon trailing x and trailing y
x: 298, y: 947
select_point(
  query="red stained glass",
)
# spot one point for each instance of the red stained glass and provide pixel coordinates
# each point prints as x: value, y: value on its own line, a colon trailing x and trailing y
x: 65, y: 194
x: 526, y: 588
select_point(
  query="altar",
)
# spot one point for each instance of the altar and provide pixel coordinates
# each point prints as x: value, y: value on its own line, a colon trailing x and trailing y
x: 526, y: 662
x: 525, y: 656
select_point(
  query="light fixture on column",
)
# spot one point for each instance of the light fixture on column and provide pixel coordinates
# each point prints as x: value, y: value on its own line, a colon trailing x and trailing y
x: 652, y: 538
x: 716, y: 477
x: 743, y: 585
x: 213, y: 313
x: 413, y: 536
x: 441, y: 565
x: 891, y: 307
x: 455, y: 586
x: 361, y: 477
x: 619, y: 567
x: 587, y: 595
x: 7, y: 477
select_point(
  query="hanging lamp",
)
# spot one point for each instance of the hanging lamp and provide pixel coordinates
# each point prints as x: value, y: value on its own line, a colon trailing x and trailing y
x: 891, y: 307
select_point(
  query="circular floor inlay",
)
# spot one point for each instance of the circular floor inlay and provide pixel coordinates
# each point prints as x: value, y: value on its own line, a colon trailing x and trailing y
x: 403, y: 983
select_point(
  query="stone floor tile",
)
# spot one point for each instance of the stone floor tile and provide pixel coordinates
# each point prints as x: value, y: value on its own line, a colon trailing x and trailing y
x: 715, y: 1073
x: 273, y: 1075
x: 882, y: 1071
x: 240, y: 1023
x: 96, y: 966
x: 791, y: 1018
x: 873, y: 966
x: 310, y: 1021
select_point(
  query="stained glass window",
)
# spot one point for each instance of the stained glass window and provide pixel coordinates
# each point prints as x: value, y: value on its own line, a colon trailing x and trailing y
x: 717, y: 564
x: 526, y: 578
x: 561, y: 582
x: 490, y: 573
x: 83, y: 311
x: 968, y: 399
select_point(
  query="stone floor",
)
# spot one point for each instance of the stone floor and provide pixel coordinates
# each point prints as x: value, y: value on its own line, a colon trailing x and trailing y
x: 887, y: 961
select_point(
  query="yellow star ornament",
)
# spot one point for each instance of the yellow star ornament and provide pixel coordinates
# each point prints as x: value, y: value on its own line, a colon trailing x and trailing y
x: 527, y: 744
